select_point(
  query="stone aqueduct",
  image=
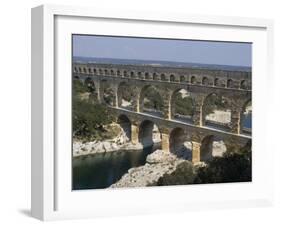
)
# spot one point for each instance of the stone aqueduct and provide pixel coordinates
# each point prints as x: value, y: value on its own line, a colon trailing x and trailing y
x: 200, y: 83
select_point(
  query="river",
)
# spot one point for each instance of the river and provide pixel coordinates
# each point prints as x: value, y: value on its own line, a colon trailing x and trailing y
x: 104, y: 169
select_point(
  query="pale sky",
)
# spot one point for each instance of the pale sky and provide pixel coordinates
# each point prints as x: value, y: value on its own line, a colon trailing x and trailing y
x: 206, y: 52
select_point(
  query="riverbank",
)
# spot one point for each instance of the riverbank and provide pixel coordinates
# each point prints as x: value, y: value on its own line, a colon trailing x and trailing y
x: 158, y: 164
x: 89, y: 148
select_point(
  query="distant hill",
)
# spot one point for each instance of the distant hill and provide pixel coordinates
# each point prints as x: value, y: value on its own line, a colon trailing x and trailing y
x: 160, y: 63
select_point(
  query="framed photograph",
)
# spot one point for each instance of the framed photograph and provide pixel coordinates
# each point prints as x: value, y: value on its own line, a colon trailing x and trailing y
x: 136, y: 112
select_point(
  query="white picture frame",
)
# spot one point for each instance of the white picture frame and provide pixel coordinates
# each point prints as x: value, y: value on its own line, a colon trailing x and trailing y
x: 51, y: 202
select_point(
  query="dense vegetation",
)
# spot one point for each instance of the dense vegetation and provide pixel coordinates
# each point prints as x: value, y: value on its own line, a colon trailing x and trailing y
x: 154, y: 100
x: 232, y: 167
x: 215, y: 102
x: 89, y: 117
x: 183, y: 105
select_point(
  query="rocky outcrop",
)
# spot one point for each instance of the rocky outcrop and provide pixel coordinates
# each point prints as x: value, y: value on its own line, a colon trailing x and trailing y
x: 220, y: 116
x: 157, y: 164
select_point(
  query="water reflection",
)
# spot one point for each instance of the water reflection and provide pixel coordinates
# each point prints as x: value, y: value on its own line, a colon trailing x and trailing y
x: 102, y: 170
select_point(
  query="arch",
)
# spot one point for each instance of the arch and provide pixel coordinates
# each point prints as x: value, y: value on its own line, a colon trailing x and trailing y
x: 111, y: 72
x: 146, y: 75
x: 216, y: 111
x: 243, y: 84
x: 229, y: 83
x: 125, y: 95
x: 118, y: 73
x: 89, y: 70
x: 80, y: 70
x: 132, y: 74
x: 149, y: 133
x: 182, y: 78
x: 163, y: 77
x: 108, y: 94
x: 106, y: 72
x: 205, y: 81
x: 193, y: 79
x: 125, y: 74
x: 182, y: 105
x: 95, y: 70
x: 85, y: 70
x: 216, y: 82
x: 150, y: 101
x: 246, y: 118
x: 155, y: 76
x: 100, y: 71
x: 125, y: 124
x: 172, y: 78
x: 180, y: 144
x: 139, y: 75
x: 212, y: 146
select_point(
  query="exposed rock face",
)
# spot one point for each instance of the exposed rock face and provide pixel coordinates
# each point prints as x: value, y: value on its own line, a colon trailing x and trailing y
x: 220, y: 116
x: 158, y: 164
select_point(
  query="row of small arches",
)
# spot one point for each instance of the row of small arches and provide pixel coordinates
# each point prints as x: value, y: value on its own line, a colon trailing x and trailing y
x: 230, y: 83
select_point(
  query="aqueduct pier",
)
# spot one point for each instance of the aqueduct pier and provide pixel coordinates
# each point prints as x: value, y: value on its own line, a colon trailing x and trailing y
x: 200, y: 83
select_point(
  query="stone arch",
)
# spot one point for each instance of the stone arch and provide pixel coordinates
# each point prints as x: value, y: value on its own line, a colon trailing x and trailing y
x: 89, y: 82
x: 149, y: 133
x: 111, y: 72
x: 150, y: 101
x: 146, y: 75
x: 172, y: 78
x: 85, y: 70
x: 125, y: 124
x: 246, y: 117
x: 132, y: 74
x: 212, y: 146
x: 243, y: 84
x: 182, y: 105
x: 180, y: 144
x: 140, y: 75
x: 193, y: 79
x: 205, y: 81
x: 216, y: 111
x: 182, y: 78
x: 229, y: 83
x: 125, y: 94
x: 155, y: 76
x: 125, y: 74
x: 95, y: 71
x: 108, y: 93
x: 106, y: 72
x: 118, y: 73
x: 216, y: 82
x: 163, y: 77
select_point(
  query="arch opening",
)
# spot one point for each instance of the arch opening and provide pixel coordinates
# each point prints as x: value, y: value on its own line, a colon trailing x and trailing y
x: 230, y: 83
x: 216, y: 112
x: 151, y: 101
x: 149, y: 134
x: 246, y: 118
x: 180, y: 144
x: 182, y: 106
x: 205, y: 81
x: 192, y: 80
x: 212, y: 146
x: 243, y: 84
x: 125, y: 125
x: 125, y: 96
x: 172, y: 78
x: 108, y: 93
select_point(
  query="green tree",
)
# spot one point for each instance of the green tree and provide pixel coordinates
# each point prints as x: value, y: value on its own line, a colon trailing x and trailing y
x: 89, y: 119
